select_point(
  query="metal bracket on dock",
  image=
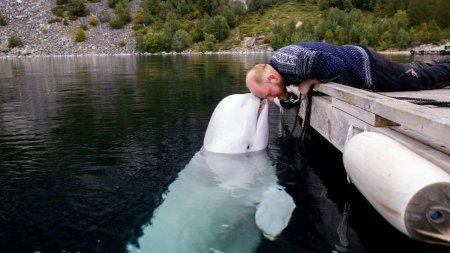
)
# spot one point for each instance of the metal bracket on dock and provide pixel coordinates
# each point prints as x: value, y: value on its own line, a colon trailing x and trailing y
x: 351, y: 131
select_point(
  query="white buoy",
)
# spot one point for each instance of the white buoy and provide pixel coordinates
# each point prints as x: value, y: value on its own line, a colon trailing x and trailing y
x: 410, y: 192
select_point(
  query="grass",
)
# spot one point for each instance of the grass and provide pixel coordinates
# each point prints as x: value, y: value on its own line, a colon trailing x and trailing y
x: 262, y: 24
x: 279, y: 14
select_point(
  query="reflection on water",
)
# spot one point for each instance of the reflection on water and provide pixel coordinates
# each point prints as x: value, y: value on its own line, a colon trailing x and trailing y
x: 89, y: 144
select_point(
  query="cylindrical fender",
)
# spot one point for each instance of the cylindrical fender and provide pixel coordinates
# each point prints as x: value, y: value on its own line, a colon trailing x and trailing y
x: 409, y: 191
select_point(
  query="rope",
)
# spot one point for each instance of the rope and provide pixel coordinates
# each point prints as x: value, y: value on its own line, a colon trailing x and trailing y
x: 424, y: 101
x: 305, y: 125
x: 306, y: 120
x: 296, y: 119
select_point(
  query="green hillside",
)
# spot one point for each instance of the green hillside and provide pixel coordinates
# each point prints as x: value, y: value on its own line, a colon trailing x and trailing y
x: 381, y: 26
x: 209, y: 25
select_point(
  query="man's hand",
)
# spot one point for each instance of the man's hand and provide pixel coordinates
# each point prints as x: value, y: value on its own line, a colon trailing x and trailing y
x: 306, y: 85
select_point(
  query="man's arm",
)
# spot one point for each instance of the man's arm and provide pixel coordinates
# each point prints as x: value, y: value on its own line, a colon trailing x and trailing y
x: 297, y: 63
x: 306, y: 85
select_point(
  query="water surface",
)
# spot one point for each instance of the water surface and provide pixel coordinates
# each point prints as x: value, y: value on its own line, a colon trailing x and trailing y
x: 88, y: 145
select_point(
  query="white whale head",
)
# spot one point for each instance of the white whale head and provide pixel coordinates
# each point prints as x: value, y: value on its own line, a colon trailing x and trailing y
x: 239, y: 124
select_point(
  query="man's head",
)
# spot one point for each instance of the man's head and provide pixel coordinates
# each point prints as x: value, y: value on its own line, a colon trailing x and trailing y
x: 264, y: 81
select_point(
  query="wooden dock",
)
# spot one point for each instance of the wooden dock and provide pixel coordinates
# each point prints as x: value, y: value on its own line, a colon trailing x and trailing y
x: 424, y: 129
x: 439, y: 51
x: 397, y: 153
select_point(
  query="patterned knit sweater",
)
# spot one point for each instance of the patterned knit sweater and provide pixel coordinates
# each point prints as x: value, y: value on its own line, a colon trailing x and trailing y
x: 349, y: 64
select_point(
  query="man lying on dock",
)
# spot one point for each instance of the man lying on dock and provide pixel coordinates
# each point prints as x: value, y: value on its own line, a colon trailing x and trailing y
x: 308, y: 63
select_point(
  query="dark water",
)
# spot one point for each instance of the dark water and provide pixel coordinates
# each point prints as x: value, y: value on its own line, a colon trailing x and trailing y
x: 89, y: 144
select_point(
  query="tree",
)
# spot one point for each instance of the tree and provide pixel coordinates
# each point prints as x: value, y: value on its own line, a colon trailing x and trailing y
x: 399, y: 20
x: 199, y: 26
x: 282, y: 34
x: 209, y: 44
x: 418, y: 11
x: 122, y: 14
x: 403, y: 38
x: 207, y: 6
x: 153, y: 42
x: 441, y: 12
x: 77, y: 8
x: 435, y: 31
x: 172, y: 24
x: 392, y: 6
x: 226, y: 12
x: 347, y: 5
x: 180, y: 40
x: 239, y: 9
x: 422, y: 34
x: 218, y: 27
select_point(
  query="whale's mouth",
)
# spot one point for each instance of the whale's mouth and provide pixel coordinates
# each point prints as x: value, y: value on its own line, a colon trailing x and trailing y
x: 262, y: 104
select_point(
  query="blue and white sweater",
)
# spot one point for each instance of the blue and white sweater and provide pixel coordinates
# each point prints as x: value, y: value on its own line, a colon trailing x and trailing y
x: 349, y: 64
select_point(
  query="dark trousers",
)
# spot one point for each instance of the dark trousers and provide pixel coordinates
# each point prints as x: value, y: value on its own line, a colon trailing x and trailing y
x: 417, y: 75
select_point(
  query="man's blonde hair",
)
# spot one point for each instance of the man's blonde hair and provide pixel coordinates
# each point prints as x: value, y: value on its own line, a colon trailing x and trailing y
x: 257, y: 73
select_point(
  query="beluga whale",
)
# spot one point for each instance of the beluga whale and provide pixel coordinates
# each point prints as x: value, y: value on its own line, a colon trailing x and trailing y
x: 227, y: 197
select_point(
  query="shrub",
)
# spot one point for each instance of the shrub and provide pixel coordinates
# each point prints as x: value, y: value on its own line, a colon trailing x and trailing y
x: 104, y: 16
x: 3, y: 20
x: 282, y: 34
x: 137, y: 27
x: 14, y: 41
x: 79, y: 35
x: 58, y: 11
x: 112, y: 3
x: 403, y: 38
x: 116, y: 22
x: 122, y: 10
x: 92, y: 20
x: 138, y: 17
x: 61, y: 2
x: 44, y: 28
x: 54, y: 20
x: 209, y: 44
x: 122, y: 16
x: 218, y: 27
x: 153, y: 42
x: 180, y: 40
x: 77, y: 8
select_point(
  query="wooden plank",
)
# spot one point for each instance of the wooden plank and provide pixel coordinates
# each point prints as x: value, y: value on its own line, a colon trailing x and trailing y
x: 333, y: 124
x: 438, y: 94
x: 368, y: 117
x: 418, y: 118
x: 442, y: 160
x: 430, y: 142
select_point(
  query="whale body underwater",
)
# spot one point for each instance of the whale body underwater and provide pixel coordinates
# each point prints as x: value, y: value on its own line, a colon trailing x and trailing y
x: 227, y: 197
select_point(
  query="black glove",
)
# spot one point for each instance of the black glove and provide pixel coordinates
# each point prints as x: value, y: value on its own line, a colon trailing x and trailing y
x: 289, y: 102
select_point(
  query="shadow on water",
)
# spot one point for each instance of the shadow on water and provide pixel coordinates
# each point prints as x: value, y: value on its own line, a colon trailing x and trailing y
x: 331, y: 215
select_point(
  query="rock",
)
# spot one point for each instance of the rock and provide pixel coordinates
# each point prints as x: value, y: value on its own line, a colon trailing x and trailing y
x: 4, y: 48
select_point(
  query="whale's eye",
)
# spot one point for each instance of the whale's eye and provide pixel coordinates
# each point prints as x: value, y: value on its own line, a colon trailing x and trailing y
x: 436, y: 215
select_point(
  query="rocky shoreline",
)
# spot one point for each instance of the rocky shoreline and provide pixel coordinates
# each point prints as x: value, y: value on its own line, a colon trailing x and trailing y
x: 28, y: 20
